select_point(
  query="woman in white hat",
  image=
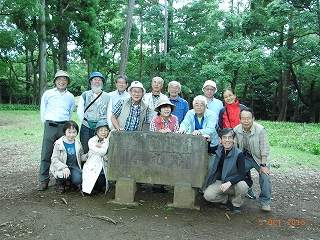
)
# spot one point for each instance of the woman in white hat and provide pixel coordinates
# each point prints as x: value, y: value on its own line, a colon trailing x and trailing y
x: 164, y: 121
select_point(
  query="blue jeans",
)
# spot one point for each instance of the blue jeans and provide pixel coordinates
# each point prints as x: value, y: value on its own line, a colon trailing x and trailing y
x: 85, y: 134
x: 264, y: 181
x: 74, y: 178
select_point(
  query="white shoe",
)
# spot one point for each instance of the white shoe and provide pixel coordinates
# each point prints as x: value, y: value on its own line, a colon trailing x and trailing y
x: 266, y: 208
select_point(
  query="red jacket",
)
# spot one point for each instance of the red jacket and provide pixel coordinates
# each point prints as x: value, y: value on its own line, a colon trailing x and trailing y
x: 160, y: 125
x: 229, y: 115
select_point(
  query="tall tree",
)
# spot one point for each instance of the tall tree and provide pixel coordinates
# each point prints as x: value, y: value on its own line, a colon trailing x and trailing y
x: 42, y: 49
x: 126, y: 38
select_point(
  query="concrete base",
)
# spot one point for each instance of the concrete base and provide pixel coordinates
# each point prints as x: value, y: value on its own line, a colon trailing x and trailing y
x: 125, y: 190
x: 184, y: 195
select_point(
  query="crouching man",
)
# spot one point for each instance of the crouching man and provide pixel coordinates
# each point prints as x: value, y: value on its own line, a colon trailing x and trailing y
x: 228, y: 174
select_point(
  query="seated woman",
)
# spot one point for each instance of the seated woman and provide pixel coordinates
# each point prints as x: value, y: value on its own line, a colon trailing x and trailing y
x: 66, y: 158
x: 164, y: 122
x: 94, y: 176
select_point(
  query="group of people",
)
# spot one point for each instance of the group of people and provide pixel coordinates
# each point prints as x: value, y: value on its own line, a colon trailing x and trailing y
x: 235, y: 142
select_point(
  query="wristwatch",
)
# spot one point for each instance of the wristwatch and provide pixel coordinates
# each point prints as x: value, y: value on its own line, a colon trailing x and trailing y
x: 263, y: 165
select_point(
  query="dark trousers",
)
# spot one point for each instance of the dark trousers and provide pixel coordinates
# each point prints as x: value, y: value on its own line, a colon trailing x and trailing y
x: 101, y: 182
x: 85, y: 134
x: 75, y: 177
x: 50, y: 135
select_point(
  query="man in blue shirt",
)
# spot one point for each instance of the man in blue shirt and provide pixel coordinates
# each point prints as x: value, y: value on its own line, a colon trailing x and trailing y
x: 56, y: 108
x: 182, y: 106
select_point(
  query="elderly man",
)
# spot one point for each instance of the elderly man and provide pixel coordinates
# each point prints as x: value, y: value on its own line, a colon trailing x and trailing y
x: 209, y: 89
x: 121, y: 82
x: 201, y: 121
x: 153, y: 98
x: 56, y: 108
x: 228, y: 174
x: 129, y: 113
x: 253, y: 141
x: 182, y: 106
x: 92, y: 107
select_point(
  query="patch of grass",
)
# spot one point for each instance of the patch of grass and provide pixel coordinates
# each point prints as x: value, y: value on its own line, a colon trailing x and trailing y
x: 300, y: 136
x: 19, y: 107
x: 289, y: 159
x: 23, y: 130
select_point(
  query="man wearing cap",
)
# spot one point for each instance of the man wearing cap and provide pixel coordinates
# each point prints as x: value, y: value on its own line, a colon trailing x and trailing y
x: 130, y: 113
x: 182, y: 106
x: 164, y: 122
x: 92, y: 107
x: 155, y: 96
x: 209, y: 89
x: 56, y: 108
x: 121, y: 82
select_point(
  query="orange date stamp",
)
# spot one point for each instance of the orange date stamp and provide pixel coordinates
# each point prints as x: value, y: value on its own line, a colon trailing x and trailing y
x: 282, y: 222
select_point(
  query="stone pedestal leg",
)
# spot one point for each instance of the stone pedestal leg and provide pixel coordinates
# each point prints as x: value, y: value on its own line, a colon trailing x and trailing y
x: 184, y: 195
x: 125, y: 190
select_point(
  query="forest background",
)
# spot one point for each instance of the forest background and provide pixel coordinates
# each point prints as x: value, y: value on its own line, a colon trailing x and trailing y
x: 268, y: 51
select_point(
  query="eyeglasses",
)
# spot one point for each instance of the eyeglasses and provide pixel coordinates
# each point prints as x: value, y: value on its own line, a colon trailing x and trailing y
x: 210, y: 89
x: 227, y: 138
x: 62, y: 80
x: 199, y: 105
x: 136, y: 92
x: 246, y: 119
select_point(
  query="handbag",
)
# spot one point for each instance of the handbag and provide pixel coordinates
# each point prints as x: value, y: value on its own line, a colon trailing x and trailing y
x: 92, y: 123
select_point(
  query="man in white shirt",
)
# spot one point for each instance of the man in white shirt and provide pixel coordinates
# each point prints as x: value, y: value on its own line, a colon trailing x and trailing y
x: 153, y: 98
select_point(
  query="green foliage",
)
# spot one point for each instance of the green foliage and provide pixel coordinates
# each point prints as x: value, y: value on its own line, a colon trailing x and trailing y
x: 243, y: 48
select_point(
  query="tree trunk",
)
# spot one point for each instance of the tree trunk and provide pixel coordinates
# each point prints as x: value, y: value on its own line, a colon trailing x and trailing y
x: 126, y: 39
x: 28, y: 79
x: 285, y: 89
x: 42, y: 52
x: 165, y: 50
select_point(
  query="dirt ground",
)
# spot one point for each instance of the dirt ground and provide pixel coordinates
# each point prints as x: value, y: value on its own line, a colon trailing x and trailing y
x: 27, y: 213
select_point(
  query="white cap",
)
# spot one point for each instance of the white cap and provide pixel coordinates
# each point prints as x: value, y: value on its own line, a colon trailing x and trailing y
x: 138, y: 85
x: 210, y: 83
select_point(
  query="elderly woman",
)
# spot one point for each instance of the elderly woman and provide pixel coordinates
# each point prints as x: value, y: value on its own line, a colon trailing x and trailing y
x: 164, y: 122
x: 201, y: 121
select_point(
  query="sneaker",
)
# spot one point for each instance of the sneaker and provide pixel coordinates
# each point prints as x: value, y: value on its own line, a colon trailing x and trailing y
x: 61, y: 189
x: 266, y: 208
x: 43, y: 185
x: 224, y: 206
x: 250, y: 194
x: 237, y: 210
